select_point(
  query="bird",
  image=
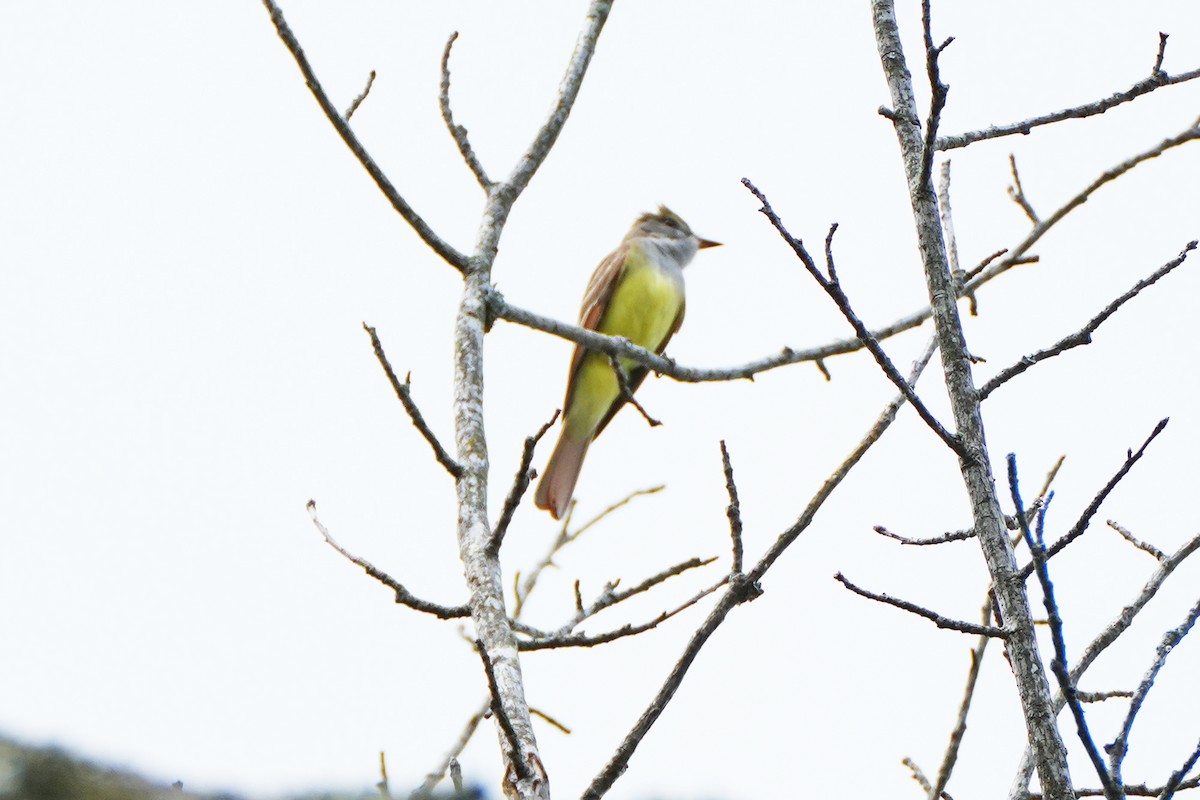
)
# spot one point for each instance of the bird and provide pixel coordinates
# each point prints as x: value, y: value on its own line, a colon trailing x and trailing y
x: 637, y: 293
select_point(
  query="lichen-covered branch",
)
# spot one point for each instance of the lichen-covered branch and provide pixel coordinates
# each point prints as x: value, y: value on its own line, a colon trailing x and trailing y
x: 1016, y: 617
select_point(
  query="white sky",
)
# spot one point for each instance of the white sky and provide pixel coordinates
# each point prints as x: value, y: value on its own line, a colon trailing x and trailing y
x: 189, y: 252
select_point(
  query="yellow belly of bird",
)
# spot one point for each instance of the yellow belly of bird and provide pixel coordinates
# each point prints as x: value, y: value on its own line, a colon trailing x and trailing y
x: 643, y: 310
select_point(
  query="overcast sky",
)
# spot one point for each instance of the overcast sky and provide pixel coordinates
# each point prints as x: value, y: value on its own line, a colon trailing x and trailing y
x: 188, y: 255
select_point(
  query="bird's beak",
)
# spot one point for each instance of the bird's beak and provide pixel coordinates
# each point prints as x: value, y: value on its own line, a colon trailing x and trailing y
x: 708, y: 243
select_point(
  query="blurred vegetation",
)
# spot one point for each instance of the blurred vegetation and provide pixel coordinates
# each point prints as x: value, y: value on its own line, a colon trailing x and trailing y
x: 50, y: 773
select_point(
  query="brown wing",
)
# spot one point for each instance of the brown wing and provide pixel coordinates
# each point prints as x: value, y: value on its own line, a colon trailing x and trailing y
x: 599, y: 291
x: 639, y: 374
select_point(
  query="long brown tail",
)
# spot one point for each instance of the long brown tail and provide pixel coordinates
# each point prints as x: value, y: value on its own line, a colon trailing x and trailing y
x: 558, y: 481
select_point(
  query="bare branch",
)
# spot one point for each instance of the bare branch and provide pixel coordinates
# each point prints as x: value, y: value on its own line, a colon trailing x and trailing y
x: 524, y: 588
x: 1103, y: 640
x: 834, y: 290
x: 359, y: 100
x: 1120, y: 746
x: 1083, y: 336
x: 937, y: 619
x: 458, y: 132
x: 451, y: 256
x: 560, y: 640
x: 403, y: 596
x: 1058, y: 665
x: 1017, y: 254
x: 1156, y: 80
x: 403, y: 392
x: 741, y: 591
x: 1085, y: 518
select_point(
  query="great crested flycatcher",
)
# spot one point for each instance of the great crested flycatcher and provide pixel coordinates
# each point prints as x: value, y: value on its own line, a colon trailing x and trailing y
x: 637, y: 293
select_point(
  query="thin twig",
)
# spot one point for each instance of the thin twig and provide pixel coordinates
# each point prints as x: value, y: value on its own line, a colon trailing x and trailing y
x: 1085, y: 518
x: 834, y: 290
x: 951, y: 536
x: 558, y: 641
x: 733, y: 511
x: 550, y: 719
x: 520, y: 484
x: 451, y: 758
x: 1176, y: 782
x: 610, y: 597
x: 950, y: 757
x: 403, y: 595
x: 458, y: 132
x: 627, y: 392
x: 404, y: 393
x: 452, y: 256
x: 1156, y: 80
x: 1083, y: 336
x: 1017, y: 192
x: 932, y: 616
x: 524, y: 587
x: 1145, y: 547
x: 359, y: 100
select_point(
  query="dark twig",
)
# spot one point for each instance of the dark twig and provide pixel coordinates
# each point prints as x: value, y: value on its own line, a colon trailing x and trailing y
x: 1085, y: 518
x: 834, y: 290
x: 516, y: 758
x: 1058, y: 664
x: 950, y: 757
x: 453, y: 257
x: 627, y: 392
x: 520, y: 484
x: 403, y: 392
x: 1156, y: 80
x: 403, y: 596
x: 1083, y: 336
x: 1145, y: 547
x: 1017, y: 192
x: 1120, y: 746
x: 458, y: 132
x: 932, y: 616
x: 733, y: 511
x: 359, y: 100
